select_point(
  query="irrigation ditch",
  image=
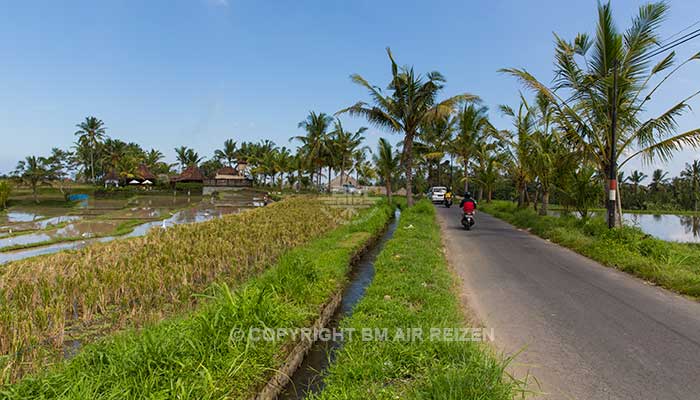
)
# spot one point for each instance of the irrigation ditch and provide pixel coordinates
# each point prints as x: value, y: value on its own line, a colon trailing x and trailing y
x: 303, y: 370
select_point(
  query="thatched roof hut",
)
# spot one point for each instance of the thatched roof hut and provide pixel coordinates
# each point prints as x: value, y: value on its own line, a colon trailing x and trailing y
x: 190, y: 174
x: 145, y: 174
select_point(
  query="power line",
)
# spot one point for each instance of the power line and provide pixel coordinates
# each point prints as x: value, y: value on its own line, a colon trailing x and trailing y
x: 675, y: 43
x: 679, y: 32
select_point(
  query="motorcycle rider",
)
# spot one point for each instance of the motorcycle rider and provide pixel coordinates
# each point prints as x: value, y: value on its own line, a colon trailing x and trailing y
x: 468, y: 204
x: 448, y: 197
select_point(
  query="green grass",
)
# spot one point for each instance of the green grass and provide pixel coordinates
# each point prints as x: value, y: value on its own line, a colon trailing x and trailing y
x: 198, y: 356
x: 675, y: 266
x: 413, y: 288
x: 556, y: 207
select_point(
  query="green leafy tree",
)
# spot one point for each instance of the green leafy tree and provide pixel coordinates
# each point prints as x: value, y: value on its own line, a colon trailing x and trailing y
x: 34, y: 171
x: 692, y: 174
x: 587, y: 81
x: 412, y: 100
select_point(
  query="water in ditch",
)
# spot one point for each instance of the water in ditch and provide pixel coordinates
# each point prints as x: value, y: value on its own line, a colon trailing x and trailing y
x: 308, y: 378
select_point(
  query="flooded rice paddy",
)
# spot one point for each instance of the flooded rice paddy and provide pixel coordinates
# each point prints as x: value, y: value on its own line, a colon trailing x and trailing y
x: 100, y: 220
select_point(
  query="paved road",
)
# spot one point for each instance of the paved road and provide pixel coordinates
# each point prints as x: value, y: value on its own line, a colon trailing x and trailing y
x: 586, y: 331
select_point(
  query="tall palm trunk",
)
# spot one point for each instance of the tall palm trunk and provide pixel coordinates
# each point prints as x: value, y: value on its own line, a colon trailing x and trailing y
x: 329, y: 178
x: 466, y: 177
x: 545, y: 202
x: 408, y: 163
x: 387, y: 184
x: 92, y: 165
x: 618, y: 204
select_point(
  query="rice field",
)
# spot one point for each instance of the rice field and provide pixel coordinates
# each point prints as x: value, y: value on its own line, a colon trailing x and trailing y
x: 52, y: 305
x: 199, y: 355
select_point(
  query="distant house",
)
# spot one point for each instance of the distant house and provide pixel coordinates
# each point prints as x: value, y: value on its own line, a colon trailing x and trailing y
x: 112, y: 179
x: 347, y: 180
x: 191, y: 174
x: 229, y: 178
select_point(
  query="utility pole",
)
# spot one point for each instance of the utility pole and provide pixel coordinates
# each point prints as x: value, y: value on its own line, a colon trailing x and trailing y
x: 612, y: 194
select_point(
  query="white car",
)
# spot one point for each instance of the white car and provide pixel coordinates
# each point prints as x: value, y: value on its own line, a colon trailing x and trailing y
x: 436, y: 194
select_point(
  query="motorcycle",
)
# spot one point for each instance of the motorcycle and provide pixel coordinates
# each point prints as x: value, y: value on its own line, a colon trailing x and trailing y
x: 447, y: 201
x: 468, y: 220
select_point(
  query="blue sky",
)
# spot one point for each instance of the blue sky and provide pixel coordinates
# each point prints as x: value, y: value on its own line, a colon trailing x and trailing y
x: 166, y: 73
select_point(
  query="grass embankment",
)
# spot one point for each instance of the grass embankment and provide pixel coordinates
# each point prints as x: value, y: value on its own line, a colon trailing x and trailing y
x: 201, y: 355
x: 556, y: 207
x: 675, y: 266
x: 413, y: 288
x: 51, y: 300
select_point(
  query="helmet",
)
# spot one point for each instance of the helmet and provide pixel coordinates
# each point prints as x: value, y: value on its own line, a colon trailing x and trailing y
x: 468, y: 195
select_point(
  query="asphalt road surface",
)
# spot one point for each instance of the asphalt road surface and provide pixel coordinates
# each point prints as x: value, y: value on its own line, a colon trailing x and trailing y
x: 584, y: 331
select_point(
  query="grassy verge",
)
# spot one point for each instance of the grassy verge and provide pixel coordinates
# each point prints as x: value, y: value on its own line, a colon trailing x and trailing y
x: 199, y: 355
x: 49, y: 301
x: 675, y: 266
x: 413, y: 288
x: 555, y: 207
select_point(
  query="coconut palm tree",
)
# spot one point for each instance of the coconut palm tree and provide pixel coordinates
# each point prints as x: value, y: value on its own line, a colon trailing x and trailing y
x: 519, y: 147
x: 412, y: 100
x: 433, y: 143
x: 473, y: 128
x: 386, y: 163
x: 187, y: 157
x: 659, y: 178
x: 90, y: 133
x: 315, y: 142
x: 636, y: 178
x: 33, y: 170
x: 692, y: 173
x: 228, y: 153
x: 345, y: 144
x: 588, y: 82
x: 487, y: 171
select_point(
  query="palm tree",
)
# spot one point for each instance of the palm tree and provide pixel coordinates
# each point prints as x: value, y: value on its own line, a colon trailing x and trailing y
x: 472, y: 129
x: 314, y: 143
x: 487, y: 171
x: 692, y: 173
x: 412, y: 101
x: 588, y: 79
x: 187, y: 157
x: 227, y: 153
x: 344, y: 144
x: 519, y: 148
x: 433, y: 142
x: 33, y: 170
x: 91, y: 132
x: 386, y: 163
x: 636, y: 179
x: 659, y: 178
